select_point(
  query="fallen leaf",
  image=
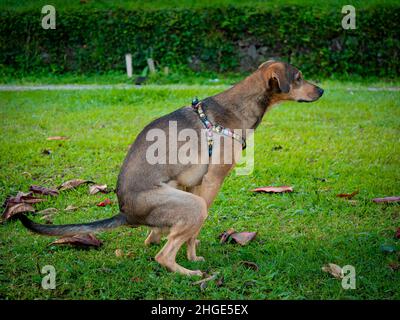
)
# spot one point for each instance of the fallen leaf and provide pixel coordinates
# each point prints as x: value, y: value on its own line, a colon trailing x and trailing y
x: 47, y: 218
x: 118, y: 253
x: 70, y: 208
x: 225, y: 235
x: 104, y: 203
x: 334, y: 270
x: 243, y: 237
x: 80, y: 240
x: 397, y: 234
x: 250, y: 265
x: 386, y: 199
x: 136, y: 279
x: 71, y: 184
x: 17, y: 208
x: 206, y: 279
x: 98, y: 188
x: 22, y: 202
x: 394, y: 266
x: 271, y: 189
x: 57, y: 138
x: 25, y: 198
x: 239, y: 237
x: 43, y: 190
x: 347, y: 195
x: 220, y: 282
x: 48, y: 211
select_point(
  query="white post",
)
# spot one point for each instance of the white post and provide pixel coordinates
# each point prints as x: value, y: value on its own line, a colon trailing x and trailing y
x: 128, y: 60
x: 150, y: 63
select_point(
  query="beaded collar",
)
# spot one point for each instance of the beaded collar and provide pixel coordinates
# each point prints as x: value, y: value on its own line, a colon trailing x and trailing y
x: 211, y: 128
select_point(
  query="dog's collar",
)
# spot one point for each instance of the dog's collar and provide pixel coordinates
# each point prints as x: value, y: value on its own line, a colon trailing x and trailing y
x: 211, y: 128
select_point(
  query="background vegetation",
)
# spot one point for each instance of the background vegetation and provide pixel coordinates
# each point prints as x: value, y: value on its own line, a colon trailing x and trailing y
x: 93, y: 37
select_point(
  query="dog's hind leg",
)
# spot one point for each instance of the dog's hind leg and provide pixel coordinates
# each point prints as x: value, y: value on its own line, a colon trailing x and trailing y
x: 185, y: 214
x: 155, y: 235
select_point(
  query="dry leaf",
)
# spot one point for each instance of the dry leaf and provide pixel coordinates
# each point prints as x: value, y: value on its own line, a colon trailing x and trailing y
x: 119, y: 253
x: 386, y: 199
x: 48, y: 211
x: 347, y: 195
x: 334, y: 270
x: 98, y: 188
x: 47, y: 218
x: 81, y: 240
x: 104, y: 203
x: 22, y: 202
x: 225, y: 235
x: 136, y: 279
x: 250, y: 265
x: 394, y: 266
x: 207, y: 278
x: 241, y: 238
x: 43, y: 190
x: 271, y: 189
x: 71, y: 184
x: 70, y: 208
x: 57, y: 138
x: 397, y: 234
x: 17, y: 208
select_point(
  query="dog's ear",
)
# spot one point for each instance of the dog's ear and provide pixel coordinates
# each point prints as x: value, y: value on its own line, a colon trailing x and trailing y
x: 281, y: 78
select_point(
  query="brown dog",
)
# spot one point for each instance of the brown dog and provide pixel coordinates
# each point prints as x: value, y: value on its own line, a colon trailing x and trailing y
x: 173, y: 198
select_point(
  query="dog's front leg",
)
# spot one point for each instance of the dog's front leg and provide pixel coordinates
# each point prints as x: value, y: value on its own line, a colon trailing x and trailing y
x: 208, y: 190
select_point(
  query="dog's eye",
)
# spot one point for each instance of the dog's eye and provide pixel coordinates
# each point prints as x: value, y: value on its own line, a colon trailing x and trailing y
x: 298, y: 78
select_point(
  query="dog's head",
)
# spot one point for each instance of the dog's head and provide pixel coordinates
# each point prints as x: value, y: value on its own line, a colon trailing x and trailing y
x: 286, y: 82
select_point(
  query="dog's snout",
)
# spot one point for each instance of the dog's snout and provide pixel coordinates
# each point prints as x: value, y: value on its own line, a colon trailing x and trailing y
x: 320, y: 91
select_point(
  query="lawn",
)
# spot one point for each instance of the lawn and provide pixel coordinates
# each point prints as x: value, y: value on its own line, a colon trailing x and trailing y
x: 347, y: 141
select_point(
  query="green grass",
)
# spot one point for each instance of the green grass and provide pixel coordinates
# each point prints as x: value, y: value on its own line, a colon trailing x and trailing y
x: 351, y: 139
x: 23, y: 5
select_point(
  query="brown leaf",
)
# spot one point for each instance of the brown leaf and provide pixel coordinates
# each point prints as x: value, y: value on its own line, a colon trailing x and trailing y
x: 136, y: 279
x: 250, y: 265
x: 47, y: 218
x: 104, y: 203
x: 71, y: 184
x: 98, y: 188
x: 43, y: 190
x: 22, y: 202
x: 81, y: 240
x: 386, y: 199
x: 70, y: 208
x: 271, y: 189
x: 347, y: 195
x: 397, y: 234
x: 225, y: 235
x: 334, y: 270
x: 119, y: 253
x: 207, y: 278
x: 243, y: 237
x: 57, y: 138
x: 15, y: 208
x: 394, y: 266
x: 239, y: 237
x: 48, y: 211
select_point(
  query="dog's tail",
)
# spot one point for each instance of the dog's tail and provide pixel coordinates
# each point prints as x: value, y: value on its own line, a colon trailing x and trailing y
x: 73, y: 229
